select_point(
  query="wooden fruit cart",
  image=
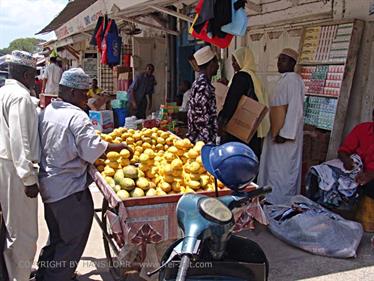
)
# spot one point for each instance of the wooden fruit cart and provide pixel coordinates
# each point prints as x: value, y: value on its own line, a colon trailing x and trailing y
x: 136, y: 231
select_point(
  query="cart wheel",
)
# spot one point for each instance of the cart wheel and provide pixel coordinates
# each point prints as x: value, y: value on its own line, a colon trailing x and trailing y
x: 116, y: 271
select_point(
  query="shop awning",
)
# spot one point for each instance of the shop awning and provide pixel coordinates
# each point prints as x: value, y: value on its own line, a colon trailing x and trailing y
x: 72, y: 9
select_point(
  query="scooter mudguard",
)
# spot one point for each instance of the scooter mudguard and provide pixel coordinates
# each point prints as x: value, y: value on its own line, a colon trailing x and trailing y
x: 244, y: 260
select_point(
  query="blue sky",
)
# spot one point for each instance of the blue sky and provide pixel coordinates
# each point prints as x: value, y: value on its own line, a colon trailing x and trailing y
x: 23, y: 18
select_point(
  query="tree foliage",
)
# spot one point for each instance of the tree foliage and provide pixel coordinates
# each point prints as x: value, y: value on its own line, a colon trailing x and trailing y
x: 30, y: 45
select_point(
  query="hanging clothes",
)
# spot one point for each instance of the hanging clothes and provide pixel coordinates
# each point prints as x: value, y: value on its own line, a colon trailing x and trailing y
x: 114, y: 43
x: 217, y: 14
x: 98, y: 35
x: 203, y: 28
x: 104, y: 45
x: 239, y: 21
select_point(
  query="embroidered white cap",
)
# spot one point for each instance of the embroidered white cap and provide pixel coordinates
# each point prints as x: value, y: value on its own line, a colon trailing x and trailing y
x: 22, y: 58
x: 75, y: 78
x: 204, y: 55
x: 290, y: 53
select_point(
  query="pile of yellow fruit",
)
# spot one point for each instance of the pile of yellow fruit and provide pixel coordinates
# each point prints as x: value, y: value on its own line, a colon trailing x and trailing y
x: 162, y: 164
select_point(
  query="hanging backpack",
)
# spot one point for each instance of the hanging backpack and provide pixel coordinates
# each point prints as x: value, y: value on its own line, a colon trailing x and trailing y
x: 114, y: 43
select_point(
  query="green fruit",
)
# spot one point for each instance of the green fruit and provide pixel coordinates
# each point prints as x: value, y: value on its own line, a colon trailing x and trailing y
x: 127, y: 184
x: 142, y: 183
x: 123, y: 194
x: 137, y: 192
x: 130, y: 172
x: 118, y: 176
x: 116, y: 188
x: 151, y: 192
x: 110, y: 181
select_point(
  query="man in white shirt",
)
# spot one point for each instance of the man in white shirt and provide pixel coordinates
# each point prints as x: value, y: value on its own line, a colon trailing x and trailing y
x: 281, y: 159
x: 69, y: 144
x: 52, y: 77
x: 19, y: 153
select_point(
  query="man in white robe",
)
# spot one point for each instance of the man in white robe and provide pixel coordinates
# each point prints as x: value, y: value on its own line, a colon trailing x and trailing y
x: 281, y: 160
x: 19, y: 152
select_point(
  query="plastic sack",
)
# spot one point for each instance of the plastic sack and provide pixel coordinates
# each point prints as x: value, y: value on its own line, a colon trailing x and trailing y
x: 309, y: 226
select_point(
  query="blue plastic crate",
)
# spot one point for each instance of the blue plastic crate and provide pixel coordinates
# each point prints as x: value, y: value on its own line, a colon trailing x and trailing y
x: 120, y: 115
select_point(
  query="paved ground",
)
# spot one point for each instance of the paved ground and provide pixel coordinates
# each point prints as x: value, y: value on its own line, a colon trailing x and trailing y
x: 286, y: 263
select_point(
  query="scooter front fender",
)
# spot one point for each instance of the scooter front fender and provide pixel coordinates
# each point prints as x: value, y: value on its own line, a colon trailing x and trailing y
x: 244, y: 260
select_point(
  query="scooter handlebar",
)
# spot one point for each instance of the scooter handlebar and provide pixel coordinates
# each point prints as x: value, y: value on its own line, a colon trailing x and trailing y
x: 241, y: 198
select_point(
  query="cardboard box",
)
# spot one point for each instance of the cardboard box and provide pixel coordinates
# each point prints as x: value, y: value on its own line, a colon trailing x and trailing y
x: 246, y: 119
x: 277, y: 118
x: 221, y: 93
x: 102, y: 120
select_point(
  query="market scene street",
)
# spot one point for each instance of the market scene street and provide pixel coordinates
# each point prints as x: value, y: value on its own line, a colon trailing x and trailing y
x: 186, y: 140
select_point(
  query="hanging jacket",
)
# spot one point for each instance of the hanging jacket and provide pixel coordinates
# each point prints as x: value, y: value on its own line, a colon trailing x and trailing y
x: 239, y: 22
x: 104, y: 45
x: 217, y: 14
x: 203, y: 33
x: 114, y: 43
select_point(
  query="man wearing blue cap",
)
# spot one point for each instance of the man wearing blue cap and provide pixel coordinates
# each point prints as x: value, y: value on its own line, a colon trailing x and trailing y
x: 69, y: 144
x: 19, y: 153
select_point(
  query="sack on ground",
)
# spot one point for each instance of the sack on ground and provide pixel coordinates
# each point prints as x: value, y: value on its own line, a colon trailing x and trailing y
x: 309, y: 226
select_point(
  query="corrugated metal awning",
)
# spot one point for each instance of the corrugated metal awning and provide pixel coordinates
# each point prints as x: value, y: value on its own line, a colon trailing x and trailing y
x: 72, y: 9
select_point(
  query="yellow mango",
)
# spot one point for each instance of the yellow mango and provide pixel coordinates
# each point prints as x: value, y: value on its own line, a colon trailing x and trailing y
x: 160, y: 192
x: 167, y: 169
x: 110, y: 181
x: 199, y: 160
x: 194, y: 167
x: 177, y: 173
x: 112, y: 164
x: 189, y: 190
x: 113, y: 156
x: 179, y: 144
x: 125, y: 153
x: 124, y: 136
x: 204, y: 180
x: 187, y: 143
x: 100, y: 168
x: 192, y: 154
x: 144, y: 167
x: 142, y: 183
x: 151, y: 192
x: 146, y: 145
x: 125, y: 162
x: 169, y: 179
x: 164, y: 135
x: 99, y: 161
x: 151, y: 154
x: 143, y: 158
x: 123, y: 194
x: 137, y: 192
x: 137, y: 136
x: 165, y: 186
x: 169, y: 156
x: 109, y: 171
x: 195, y: 185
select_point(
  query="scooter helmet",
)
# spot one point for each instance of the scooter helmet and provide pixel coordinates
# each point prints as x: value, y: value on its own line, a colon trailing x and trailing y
x: 233, y: 163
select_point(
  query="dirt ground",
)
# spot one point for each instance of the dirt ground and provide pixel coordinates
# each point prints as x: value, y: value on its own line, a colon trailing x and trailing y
x: 286, y: 262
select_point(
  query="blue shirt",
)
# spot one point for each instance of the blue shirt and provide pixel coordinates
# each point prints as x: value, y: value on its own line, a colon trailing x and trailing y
x: 69, y: 144
x: 143, y: 85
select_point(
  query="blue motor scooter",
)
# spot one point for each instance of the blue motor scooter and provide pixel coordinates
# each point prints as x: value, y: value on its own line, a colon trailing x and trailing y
x: 208, y: 250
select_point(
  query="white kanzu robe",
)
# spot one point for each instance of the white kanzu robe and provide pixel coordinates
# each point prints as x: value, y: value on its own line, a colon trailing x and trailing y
x: 280, y: 165
x: 19, y: 150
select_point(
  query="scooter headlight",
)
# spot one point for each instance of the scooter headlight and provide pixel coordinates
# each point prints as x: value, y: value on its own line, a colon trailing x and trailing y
x: 214, y: 209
